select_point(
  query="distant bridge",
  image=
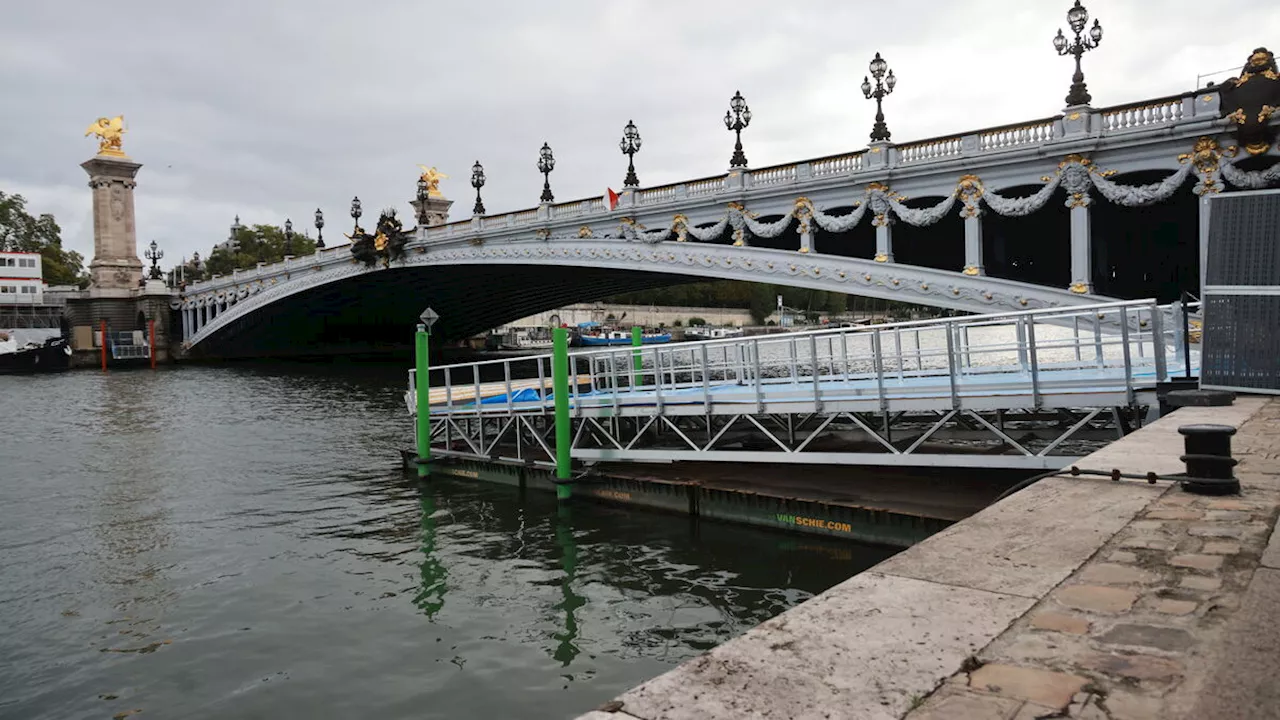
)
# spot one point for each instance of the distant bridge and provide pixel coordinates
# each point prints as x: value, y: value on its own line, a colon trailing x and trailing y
x: 1083, y: 207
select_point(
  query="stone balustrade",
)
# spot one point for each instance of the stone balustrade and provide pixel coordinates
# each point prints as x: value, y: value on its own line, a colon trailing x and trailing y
x: 1154, y: 112
x: 1014, y: 136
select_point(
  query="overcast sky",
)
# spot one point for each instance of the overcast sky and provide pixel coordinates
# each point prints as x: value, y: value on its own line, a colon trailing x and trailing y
x: 268, y: 109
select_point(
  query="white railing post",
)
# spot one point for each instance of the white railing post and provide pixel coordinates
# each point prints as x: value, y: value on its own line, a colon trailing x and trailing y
x: 1035, y: 362
x: 1128, y: 364
x: 1157, y: 343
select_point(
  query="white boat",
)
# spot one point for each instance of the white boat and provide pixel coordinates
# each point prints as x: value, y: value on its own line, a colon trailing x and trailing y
x: 53, y: 355
x: 526, y: 339
x: 711, y: 332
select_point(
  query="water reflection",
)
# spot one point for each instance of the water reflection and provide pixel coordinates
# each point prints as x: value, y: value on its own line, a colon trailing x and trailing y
x: 597, y: 579
x: 566, y: 650
x: 430, y: 597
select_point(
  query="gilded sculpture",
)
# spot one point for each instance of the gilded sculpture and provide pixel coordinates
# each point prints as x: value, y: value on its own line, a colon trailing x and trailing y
x: 1249, y: 101
x: 432, y: 178
x: 109, y: 132
x: 386, y: 244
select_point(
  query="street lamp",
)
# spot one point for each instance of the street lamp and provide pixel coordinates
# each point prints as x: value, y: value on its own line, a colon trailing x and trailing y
x: 546, y: 163
x: 884, y: 86
x: 1077, y: 16
x: 477, y: 182
x: 195, y: 264
x: 288, y: 236
x: 355, y: 210
x: 154, y: 255
x: 737, y: 117
x: 319, y: 229
x: 423, y: 190
x: 630, y: 145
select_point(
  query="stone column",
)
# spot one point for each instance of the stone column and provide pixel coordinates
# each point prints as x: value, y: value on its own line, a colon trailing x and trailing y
x: 973, y: 246
x: 884, y: 240
x: 1081, y: 252
x: 1204, y: 206
x: 186, y: 323
x: 115, y: 269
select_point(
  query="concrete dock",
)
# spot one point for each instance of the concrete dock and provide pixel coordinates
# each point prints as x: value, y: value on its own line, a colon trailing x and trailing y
x: 1077, y: 597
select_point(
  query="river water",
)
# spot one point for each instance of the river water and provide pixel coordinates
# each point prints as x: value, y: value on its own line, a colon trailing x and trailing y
x: 239, y: 541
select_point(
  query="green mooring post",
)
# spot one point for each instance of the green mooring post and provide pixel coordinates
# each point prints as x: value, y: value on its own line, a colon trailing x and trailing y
x: 560, y: 389
x: 422, y: 384
x: 637, y: 340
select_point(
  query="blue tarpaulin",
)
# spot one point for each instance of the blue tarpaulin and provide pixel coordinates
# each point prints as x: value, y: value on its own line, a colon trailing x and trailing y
x: 525, y: 395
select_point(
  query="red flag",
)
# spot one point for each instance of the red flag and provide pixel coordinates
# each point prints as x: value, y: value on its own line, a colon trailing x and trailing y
x: 612, y: 198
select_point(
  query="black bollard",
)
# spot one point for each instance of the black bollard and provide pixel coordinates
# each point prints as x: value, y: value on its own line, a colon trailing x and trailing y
x: 1208, y: 458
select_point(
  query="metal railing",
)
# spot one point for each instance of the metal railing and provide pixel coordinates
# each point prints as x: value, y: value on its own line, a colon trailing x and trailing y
x: 1118, y: 348
x: 128, y: 344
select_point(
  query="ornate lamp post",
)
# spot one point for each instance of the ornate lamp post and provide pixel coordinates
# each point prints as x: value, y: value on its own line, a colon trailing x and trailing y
x: 477, y: 182
x: 355, y: 210
x: 423, y: 191
x: 546, y: 163
x: 884, y: 86
x: 1077, y: 16
x: 737, y: 117
x: 154, y: 255
x: 630, y: 145
x: 288, y: 236
x: 195, y: 264
x: 319, y: 229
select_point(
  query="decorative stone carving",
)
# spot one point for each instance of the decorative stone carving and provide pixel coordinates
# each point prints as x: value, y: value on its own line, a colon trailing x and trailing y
x: 1136, y: 195
x: 1075, y: 172
x: 1206, y: 158
x: 1251, y: 179
x: 1249, y: 101
x: 969, y: 189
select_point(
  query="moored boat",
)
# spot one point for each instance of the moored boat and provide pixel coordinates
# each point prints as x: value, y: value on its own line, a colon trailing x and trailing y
x: 53, y: 356
x: 619, y: 337
x: 711, y: 332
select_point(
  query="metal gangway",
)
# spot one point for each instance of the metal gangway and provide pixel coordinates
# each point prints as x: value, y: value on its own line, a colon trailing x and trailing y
x: 129, y: 344
x: 1028, y: 389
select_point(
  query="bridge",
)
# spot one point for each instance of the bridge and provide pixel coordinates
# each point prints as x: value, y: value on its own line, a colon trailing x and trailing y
x: 1021, y: 389
x: 1087, y: 206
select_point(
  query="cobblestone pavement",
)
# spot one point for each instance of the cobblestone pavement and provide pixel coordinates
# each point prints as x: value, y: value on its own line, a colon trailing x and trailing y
x: 1170, y: 618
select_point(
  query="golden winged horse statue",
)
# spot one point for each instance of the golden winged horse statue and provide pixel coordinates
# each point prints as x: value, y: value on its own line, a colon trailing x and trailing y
x: 109, y: 132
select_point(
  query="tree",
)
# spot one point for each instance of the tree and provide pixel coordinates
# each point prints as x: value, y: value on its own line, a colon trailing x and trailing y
x: 20, y: 232
x: 251, y: 245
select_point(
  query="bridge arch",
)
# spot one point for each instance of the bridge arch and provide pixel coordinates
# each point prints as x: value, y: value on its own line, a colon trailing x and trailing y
x: 939, y: 246
x: 859, y: 242
x: 476, y: 287
x: 1148, y: 251
x: 1035, y: 247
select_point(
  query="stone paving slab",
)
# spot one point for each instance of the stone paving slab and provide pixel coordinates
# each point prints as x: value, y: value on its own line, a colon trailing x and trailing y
x: 1028, y: 543
x: 864, y: 649
x: 1244, y: 684
x: 1170, y: 618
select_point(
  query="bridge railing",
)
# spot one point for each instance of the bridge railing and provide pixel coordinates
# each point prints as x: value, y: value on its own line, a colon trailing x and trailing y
x: 1119, y: 119
x: 1124, y: 345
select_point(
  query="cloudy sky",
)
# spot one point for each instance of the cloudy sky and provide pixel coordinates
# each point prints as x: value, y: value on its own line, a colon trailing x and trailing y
x: 270, y: 108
